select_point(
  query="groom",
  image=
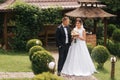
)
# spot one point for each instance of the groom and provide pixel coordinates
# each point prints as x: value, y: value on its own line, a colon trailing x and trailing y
x: 63, y: 40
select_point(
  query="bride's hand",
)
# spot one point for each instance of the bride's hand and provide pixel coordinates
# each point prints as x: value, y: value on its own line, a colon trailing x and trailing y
x: 81, y: 38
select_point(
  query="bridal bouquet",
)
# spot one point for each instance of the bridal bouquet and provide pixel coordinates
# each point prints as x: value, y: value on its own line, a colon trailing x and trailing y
x: 74, y: 34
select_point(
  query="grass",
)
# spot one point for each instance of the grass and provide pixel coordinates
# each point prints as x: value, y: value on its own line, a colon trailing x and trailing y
x: 19, y: 62
x: 14, y: 62
x: 104, y: 74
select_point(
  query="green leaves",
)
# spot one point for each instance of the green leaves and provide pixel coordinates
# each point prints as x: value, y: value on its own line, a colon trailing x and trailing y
x: 116, y: 35
x: 52, y: 15
x: 29, y: 21
x: 100, y: 54
x: 112, y: 4
x: 1, y: 1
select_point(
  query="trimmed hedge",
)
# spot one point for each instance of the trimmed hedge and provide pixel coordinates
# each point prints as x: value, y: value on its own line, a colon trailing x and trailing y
x: 116, y: 35
x: 114, y: 49
x: 40, y: 61
x: 34, y: 49
x: 100, y: 54
x: 90, y: 47
x: 110, y: 30
x: 33, y: 42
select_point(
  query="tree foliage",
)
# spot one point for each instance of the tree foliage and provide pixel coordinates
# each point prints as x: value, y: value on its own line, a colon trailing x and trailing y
x: 29, y: 21
x: 113, y: 6
x: 1, y: 1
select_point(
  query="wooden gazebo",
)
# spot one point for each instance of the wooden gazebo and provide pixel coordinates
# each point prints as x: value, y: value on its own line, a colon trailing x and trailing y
x: 91, y: 9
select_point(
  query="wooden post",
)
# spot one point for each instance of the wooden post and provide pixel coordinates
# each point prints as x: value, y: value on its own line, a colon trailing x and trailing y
x: 46, y: 36
x: 95, y: 26
x: 5, y: 31
x: 112, y: 69
x: 113, y: 60
x: 105, y: 31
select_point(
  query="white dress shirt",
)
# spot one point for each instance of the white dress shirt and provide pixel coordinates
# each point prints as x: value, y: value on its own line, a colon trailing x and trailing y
x: 66, y: 34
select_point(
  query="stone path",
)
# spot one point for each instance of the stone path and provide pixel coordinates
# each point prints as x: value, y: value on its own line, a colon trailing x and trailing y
x: 80, y: 78
x: 17, y: 75
x: 4, y: 75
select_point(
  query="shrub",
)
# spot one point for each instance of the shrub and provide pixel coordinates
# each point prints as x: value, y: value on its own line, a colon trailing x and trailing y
x: 114, y: 49
x: 109, y: 45
x: 34, y: 49
x: 33, y: 42
x: 116, y: 35
x: 29, y: 27
x: 26, y: 27
x: 1, y: 1
x: 111, y: 28
x: 101, y: 41
x: 100, y: 54
x: 100, y: 29
x: 40, y: 61
x: 47, y: 76
x: 90, y: 47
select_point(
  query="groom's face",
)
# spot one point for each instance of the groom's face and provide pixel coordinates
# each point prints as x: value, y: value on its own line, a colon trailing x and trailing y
x: 66, y: 22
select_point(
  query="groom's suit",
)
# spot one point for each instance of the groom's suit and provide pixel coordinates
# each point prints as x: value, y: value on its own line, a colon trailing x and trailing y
x: 63, y: 41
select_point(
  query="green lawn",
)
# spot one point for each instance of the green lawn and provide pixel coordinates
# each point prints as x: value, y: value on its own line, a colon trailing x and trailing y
x: 104, y: 74
x: 19, y: 62
x: 14, y: 62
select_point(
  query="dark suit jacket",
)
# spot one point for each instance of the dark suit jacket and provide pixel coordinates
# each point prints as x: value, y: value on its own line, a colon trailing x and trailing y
x: 60, y: 36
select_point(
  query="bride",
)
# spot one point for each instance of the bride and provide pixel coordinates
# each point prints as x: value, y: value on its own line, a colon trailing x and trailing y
x: 78, y: 61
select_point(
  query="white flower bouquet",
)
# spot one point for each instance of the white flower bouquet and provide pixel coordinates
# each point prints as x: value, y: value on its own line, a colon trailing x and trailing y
x: 74, y: 34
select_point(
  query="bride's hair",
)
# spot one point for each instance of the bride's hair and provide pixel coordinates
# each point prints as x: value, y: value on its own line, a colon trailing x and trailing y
x: 79, y: 20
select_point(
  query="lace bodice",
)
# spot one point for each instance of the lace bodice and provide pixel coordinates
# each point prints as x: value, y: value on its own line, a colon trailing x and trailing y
x: 80, y: 31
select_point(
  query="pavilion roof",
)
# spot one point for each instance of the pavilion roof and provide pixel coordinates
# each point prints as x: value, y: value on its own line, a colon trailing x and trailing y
x: 89, y: 1
x: 89, y: 12
x: 3, y: 6
x: 66, y: 4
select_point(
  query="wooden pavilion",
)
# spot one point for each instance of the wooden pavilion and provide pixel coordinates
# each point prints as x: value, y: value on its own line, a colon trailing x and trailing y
x: 91, y: 9
x: 6, y: 13
x: 67, y: 5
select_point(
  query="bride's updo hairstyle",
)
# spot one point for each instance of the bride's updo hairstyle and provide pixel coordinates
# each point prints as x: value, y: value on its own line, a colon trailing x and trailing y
x: 79, y: 20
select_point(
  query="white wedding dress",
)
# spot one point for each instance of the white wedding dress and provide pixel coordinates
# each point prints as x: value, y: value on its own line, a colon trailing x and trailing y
x: 78, y: 61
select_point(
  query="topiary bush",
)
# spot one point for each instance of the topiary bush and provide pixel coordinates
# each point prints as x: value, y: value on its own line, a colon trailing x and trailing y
x: 40, y: 61
x: 100, y: 54
x: 47, y: 76
x: 116, y: 35
x: 33, y: 42
x: 90, y: 47
x: 114, y: 49
x: 100, y: 30
x: 110, y: 29
x: 34, y: 49
x: 109, y: 45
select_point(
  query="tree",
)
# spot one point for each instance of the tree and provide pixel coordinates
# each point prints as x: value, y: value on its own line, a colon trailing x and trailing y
x: 113, y: 6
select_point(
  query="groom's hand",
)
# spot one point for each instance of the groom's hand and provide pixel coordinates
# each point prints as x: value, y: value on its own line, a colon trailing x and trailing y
x: 59, y: 46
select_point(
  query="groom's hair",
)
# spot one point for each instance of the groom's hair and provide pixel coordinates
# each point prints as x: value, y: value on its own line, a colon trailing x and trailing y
x: 65, y: 18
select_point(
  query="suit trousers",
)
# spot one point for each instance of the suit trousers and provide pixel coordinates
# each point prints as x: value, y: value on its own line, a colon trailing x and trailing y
x: 63, y: 51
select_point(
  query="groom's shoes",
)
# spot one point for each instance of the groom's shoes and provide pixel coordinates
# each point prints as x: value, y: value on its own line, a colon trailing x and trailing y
x: 59, y: 74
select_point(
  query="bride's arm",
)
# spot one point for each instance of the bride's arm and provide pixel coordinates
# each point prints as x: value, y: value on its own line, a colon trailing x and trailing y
x: 84, y: 36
